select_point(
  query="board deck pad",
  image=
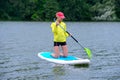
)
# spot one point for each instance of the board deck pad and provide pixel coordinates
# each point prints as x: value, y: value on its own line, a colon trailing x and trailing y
x: 48, y: 55
x: 63, y: 60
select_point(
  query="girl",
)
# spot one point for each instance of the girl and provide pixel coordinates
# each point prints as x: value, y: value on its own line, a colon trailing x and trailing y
x: 59, y: 36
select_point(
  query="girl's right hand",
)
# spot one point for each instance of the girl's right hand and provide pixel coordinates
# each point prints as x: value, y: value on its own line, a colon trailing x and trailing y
x: 57, y: 23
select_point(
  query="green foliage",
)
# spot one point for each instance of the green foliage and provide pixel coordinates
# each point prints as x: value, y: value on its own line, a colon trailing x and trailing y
x: 50, y: 8
x: 104, y: 10
x: 74, y: 10
x: 117, y: 8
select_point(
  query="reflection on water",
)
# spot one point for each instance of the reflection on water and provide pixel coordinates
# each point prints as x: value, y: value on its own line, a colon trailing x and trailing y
x: 59, y: 70
x: 21, y: 41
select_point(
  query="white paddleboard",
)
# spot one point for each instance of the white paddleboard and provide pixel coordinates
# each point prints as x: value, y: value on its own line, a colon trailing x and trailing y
x: 62, y: 60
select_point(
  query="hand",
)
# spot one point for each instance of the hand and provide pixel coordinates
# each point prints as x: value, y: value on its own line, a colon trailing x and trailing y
x: 57, y: 23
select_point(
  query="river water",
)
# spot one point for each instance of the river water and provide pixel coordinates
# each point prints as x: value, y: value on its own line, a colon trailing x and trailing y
x: 21, y: 41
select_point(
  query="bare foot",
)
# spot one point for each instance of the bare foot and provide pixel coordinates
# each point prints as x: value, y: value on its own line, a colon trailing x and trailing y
x: 54, y: 56
x: 61, y: 54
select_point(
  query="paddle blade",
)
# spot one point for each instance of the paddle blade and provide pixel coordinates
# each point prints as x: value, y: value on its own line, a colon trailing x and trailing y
x: 88, y: 51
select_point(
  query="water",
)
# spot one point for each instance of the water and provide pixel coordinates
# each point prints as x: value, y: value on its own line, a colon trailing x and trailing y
x: 21, y: 41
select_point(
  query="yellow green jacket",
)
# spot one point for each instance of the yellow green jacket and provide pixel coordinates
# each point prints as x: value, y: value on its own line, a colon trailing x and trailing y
x: 59, y: 34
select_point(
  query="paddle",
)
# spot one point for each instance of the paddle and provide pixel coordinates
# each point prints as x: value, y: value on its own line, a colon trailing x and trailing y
x: 87, y: 50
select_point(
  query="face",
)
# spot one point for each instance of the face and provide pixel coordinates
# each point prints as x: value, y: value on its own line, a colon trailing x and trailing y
x: 59, y: 19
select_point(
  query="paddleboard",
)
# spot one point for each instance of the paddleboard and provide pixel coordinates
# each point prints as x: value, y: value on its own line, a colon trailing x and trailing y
x: 63, y: 60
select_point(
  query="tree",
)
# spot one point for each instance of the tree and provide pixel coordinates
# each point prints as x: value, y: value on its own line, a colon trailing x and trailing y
x: 50, y: 8
x: 75, y: 10
x: 39, y: 13
x: 117, y: 8
x: 4, y: 10
x: 104, y: 10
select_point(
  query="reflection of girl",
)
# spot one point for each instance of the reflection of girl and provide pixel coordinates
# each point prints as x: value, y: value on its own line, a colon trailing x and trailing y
x: 59, y: 36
